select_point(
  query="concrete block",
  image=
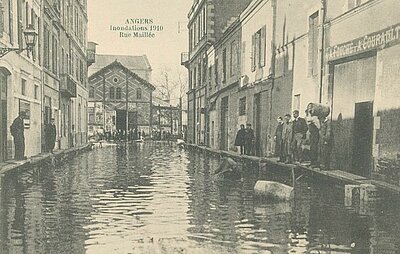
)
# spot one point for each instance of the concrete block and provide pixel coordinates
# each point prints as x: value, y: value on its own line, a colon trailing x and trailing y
x: 273, y: 190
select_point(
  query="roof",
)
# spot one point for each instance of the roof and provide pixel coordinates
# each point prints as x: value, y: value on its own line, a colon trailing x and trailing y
x: 116, y: 63
x: 131, y: 62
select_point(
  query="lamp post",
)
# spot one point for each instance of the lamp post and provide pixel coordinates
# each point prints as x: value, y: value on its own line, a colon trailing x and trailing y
x: 30, y: 36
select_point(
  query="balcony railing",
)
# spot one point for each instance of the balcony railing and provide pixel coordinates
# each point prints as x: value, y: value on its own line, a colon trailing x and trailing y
x: 68, y: 85
x: 91, y: 53
x: 184, y: 58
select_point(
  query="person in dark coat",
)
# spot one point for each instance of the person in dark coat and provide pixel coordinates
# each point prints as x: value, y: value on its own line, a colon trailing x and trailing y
x: 50, y: 135
x: 326, y: 142
x: 278, y: 138
x: 313, y: 127
x: 249, y: 140
x: 299, y: 133
x: 241, y: 138
x: 17, y: 131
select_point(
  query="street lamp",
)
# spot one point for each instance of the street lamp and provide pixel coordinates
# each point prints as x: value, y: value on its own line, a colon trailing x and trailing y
x: 30, y: 36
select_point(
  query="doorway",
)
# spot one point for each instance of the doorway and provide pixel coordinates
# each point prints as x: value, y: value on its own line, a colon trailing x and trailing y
x: 224, y: 123
x: 257, y: 124
x: 3, y: 117
x: 363, y: 134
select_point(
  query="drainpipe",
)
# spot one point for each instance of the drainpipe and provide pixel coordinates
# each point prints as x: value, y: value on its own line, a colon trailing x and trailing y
x: 321, y: 79
x: 273, y: 58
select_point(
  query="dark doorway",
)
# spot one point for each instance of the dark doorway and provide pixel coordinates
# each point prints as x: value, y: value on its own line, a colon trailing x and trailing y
x: 3, y: 117
x: 257, y: 124
x: 362, y: 144
x: 121, y: 120
x: 224, y: 123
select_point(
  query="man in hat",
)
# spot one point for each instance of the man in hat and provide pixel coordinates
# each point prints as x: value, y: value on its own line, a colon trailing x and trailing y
x: 299, y: 133
x: 50, y: 135
x: 241, y: 139
x: 17, y: 131
x: 249, y: 140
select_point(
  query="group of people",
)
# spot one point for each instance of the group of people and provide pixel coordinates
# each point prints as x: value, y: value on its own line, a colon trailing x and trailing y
x: 300, y: 139
x: 120, y: 135
x: 245, y: 139
x: 17, y: 131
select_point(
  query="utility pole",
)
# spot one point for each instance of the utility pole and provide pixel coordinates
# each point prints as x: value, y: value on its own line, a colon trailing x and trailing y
x: 127, y: 108
x: 180, y: 118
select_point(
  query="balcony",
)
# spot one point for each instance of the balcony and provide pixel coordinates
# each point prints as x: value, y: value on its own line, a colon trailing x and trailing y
x: 68, y: 86
x: 91, y: 53
x: 185, y: 59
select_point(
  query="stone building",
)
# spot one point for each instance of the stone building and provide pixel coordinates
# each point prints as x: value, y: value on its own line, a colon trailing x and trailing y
x: 20, y: 76
x: 295, y: 53
x: 114, y: 91
x: 51, y: 81
x: 207, y: 19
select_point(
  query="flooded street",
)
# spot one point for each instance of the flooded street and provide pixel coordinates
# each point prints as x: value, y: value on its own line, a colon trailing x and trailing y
x: 158, y: 198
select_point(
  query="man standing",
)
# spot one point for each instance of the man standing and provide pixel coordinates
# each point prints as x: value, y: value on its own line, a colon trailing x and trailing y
x: 249, y: 140
x: 241, y: 138
x: 278, y: 138
x: 299, y: 133
x: 50, y: 135
x: 287, y: 139
x: 326, y: 142
x: 313, y: 127
x: 17, y: 131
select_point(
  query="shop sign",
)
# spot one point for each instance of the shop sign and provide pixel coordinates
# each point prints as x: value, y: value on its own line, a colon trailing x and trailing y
x: 378, y: 40
x: 25, y: 106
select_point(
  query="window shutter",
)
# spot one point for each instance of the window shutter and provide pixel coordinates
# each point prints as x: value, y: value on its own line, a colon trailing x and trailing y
x: 263, y: 47
x: 310, y: 45
x: 253, y: 52
x: 1, y: 18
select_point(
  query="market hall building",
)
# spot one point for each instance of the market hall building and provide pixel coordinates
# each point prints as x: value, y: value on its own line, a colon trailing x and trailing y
x: 115, y: 90
x: 363, y: 86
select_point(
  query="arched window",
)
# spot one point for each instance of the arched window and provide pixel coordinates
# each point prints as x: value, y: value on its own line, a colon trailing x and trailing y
x: 112, y: 92
x: 139, y: 94
x: 118, y: 93
x: 91, y: 92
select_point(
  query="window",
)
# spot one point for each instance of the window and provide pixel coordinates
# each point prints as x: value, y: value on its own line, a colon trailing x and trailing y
x: 258, y: 56
x: 55, y: 55
x: 242, y: 106
x: 46, y: 46
x: 210, y: 77
x: 23, y: 87
x: 313, y: 45
x: 139, y: 94
x: 118, y: 93
x: 224, y: 65
x: 296, y: 102
x: 91, y: 92
x: 216, y: 72
x: 233, y: 58
x: 194, y: 78
x: 20, y: 24
x: 36, y: 92
x: 353, y: 3
x: 112, y: 93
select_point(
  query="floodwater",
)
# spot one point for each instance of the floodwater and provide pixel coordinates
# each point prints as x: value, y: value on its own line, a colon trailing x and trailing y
x: 158, y: 198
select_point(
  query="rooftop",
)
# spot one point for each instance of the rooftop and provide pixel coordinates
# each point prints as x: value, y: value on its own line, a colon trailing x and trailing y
x: 131, y: 62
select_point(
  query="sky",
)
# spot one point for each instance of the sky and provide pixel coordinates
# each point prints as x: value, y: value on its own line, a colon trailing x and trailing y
x: 163, y: 51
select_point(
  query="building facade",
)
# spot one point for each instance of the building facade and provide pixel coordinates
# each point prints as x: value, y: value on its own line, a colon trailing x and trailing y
x: 207, y: 19
x: 292, y: 54
x: 46, y: 81
x: 114, y: 91
x: 20, y: 77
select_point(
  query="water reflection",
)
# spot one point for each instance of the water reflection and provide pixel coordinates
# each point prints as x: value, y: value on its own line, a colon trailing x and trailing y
x: 157, y: 198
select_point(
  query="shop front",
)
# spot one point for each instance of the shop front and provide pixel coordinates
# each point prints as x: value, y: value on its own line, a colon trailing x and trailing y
x: 361, y: 72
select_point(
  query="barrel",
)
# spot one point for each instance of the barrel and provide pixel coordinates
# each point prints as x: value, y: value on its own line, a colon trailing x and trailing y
x: 319, y: 110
